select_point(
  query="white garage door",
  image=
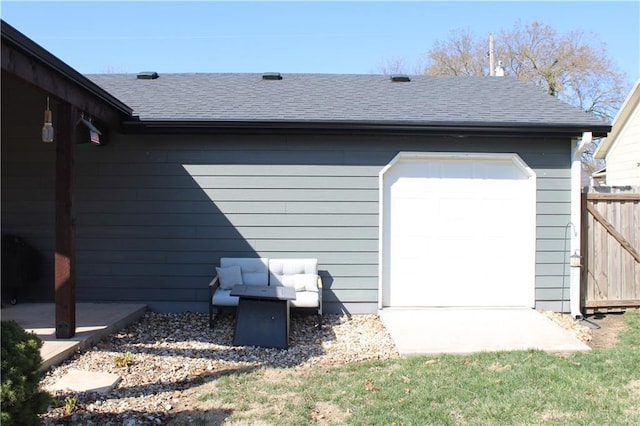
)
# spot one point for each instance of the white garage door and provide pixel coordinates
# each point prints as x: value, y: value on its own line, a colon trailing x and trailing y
x: 457, y: 230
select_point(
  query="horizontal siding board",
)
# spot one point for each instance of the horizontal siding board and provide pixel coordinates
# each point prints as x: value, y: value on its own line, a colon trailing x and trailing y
x: 553, y: 196
x: 551, y: 208
x: 544, y: 183
x: 207, y: 232
x: 551, y: 245
x: 138, y: 294
x: 545, y: 257
x: 192, y: 282
x: 157, y: 244
x: 351, y: 295
x: 553, y: 220
x: 553, y: 269
x: 317, y: 245
x: 333, y: 170
x: 260, y: 156
x: 555, y: 306
x: 553, y: 232
x: 552, y: 293
x: 330, y: 207
x: 326, y: 259
x: 150, y: 197
x: 555, y: 173
x: 219, y: 219
x: 550, y: 281
x: 146, y: 270
x: 213, y: 181
x: 300, y: 181
x: 187, y: 173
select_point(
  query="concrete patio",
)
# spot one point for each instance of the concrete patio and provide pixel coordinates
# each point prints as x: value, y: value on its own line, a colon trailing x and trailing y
x: 94, y: 321
x: 462, y: 331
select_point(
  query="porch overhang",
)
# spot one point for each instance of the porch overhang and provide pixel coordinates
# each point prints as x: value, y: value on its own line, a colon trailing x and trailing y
x: 25, y: 61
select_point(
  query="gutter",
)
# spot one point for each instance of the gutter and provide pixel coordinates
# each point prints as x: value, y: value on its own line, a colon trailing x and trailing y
x: 461, y: 129
x: 576, y: 222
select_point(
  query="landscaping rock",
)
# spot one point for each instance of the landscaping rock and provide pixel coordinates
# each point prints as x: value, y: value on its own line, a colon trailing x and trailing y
x: 169, y: 353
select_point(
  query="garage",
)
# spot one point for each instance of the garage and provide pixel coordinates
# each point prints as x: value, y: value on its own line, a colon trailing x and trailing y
x: 457, y: 230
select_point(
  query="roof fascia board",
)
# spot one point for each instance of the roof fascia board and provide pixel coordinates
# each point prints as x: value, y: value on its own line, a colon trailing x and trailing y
x: 168, y: 126
x: 27, y: 60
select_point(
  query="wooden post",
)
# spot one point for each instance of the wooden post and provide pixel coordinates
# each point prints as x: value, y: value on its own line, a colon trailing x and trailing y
x: 64, y: 263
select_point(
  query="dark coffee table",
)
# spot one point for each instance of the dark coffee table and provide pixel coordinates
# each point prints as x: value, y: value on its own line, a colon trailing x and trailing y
x: 262, y: 317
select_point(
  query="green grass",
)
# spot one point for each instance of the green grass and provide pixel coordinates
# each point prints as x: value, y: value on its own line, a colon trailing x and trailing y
x: 506, y: 388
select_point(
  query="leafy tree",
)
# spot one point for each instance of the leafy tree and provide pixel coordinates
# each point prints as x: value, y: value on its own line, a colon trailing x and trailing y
x: 573, y: 67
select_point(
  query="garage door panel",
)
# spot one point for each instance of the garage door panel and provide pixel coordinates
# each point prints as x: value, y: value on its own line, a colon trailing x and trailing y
x: 458, y: 231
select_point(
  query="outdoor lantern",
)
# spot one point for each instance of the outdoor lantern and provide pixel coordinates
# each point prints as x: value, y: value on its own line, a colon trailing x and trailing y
x: 576, y: 260
x: 47, y: 128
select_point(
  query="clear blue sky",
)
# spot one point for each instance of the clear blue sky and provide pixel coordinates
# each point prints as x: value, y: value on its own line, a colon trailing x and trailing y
x: 288, y: 37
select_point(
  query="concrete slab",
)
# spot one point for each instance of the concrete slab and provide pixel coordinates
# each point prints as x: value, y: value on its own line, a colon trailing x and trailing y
x: 86, y: 381
x: 94, y: 321
x: 460, y: 331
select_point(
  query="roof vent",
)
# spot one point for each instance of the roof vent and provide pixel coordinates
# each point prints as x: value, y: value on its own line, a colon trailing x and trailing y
x: 148, y: 75
x: 400, y: 78
x: 271, y: 76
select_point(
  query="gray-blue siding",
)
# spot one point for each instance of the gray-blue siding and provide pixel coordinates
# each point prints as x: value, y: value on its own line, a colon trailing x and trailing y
x: 155, y: 213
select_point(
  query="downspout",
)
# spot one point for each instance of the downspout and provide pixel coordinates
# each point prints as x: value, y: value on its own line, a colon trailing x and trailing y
x: 576, y: 190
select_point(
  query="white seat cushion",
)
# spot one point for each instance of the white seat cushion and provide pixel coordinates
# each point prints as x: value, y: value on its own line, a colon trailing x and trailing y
x: 305, y: 282
x: 254, y: 271
x: 306, y: 299
x: 221, y: 297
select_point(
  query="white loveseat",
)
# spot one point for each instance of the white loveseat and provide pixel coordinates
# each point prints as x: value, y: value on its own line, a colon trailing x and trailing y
x: 301, y: 274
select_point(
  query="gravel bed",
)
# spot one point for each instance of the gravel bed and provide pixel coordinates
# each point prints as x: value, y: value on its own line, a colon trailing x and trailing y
x: 169, y: 353
x: 566, y: 321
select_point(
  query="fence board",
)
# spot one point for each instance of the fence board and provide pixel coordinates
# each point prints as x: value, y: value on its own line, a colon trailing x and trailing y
x: 611, y: 247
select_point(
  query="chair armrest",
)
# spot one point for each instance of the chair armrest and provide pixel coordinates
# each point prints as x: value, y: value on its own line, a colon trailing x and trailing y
x: 215, y: 283
x: 213, y: 286
x: 319, y: 283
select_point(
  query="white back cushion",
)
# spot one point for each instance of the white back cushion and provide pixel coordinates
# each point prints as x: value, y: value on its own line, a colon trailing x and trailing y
x: 288, y: 272
x: 254, y: 271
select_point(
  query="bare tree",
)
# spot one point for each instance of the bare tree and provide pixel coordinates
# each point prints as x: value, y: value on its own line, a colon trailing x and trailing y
x: 394, y: 65
x: 573, y: 67
x: 397, y: 65
x: 460, y: 55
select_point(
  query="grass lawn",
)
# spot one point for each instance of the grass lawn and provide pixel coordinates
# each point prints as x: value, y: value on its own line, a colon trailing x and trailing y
x: 526, y: 388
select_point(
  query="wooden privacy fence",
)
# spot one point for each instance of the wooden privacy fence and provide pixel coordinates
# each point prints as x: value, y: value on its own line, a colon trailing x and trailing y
x: 610, y: 277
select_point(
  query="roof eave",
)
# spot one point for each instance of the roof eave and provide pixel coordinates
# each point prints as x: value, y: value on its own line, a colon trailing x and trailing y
x: 463, y: 129
x: 19, y: 41
x: 630, y: 103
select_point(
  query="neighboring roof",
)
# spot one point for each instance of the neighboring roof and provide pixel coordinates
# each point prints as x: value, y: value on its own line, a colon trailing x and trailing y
x: 619, y: 122
x: 246, y: 99
x: 18, y: 41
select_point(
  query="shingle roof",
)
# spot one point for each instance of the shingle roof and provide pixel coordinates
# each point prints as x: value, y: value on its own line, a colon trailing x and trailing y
x: 343, y: 98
